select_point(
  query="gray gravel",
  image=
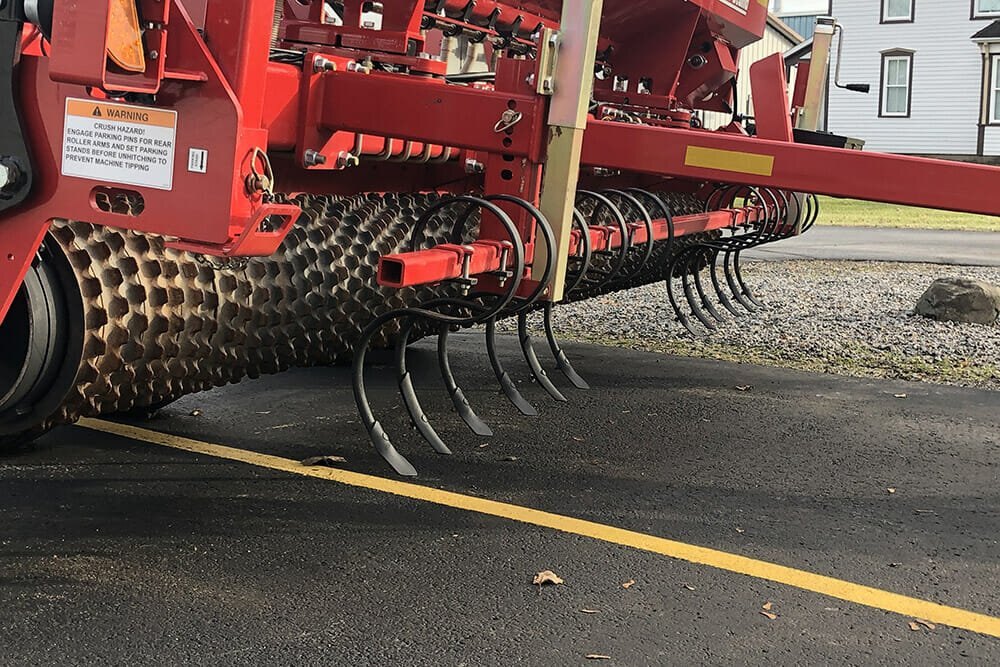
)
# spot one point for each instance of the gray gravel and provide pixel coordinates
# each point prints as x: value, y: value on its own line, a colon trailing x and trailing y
x: 843, y: 317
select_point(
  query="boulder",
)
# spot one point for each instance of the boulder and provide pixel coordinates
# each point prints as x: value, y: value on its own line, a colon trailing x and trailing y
x: 960, y: 300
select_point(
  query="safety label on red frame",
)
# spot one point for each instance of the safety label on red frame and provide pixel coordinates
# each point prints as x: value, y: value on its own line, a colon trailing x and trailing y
x: 119, y: 143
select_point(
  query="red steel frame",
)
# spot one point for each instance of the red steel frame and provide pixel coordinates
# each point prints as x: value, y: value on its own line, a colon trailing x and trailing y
x: 432, y: 135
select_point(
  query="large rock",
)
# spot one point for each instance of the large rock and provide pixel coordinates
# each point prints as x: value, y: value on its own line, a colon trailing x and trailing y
x: 960, y: 300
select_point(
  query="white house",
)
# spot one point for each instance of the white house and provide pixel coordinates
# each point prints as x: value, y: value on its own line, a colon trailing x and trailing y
x: 934, y: 68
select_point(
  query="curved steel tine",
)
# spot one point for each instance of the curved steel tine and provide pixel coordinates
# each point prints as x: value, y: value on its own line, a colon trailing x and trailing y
x: 417, y: 414
x: 462, y: 405
x: 562, y: 361
x: 506, y: 383
x: 681, y: 316
x: 731, y: 281
x: 705, y: 301
x: 723, y: 299
x: 689, y: 293
x: 533, y: 364
x: 743, y: 285
x: 379, y: 438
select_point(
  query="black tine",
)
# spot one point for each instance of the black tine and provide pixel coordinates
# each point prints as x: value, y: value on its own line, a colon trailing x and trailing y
x: 681, y: 316
x: 705, y: 301
x: 377, y: 435
x: 528, y: 349
x: 417, y: 414
x: 562, y: 361
x: 462, y: 405
x: 692, y: 300
x: 733, y: 287
x: 743, y: 285
x: 506, y: 383
x: 723, y: 299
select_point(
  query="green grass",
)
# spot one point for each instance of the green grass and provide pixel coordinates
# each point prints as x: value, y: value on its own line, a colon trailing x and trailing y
x: 853, y: 213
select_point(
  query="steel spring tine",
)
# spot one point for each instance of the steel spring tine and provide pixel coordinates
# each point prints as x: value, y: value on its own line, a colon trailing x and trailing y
x: 714, y: 272
x: 462, y: 405
x: 667, y: 215
x: 420, y: 420
x: 506, y: 383
x: 738, y: 271
x: 647, y: 222
x: 562, y: 361
x: 528, y: 349
x: 376, y: 433
x: 548, y: 238
x: 814, y: 211
x: 689, y: 294
x: 619, y: 218
x: 581, y: 275
x: 705, y: 301
x: 731, y: 281
x: 672, y: 296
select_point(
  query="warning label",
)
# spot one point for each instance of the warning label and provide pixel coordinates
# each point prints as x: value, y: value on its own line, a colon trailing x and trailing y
x: 118, y: 143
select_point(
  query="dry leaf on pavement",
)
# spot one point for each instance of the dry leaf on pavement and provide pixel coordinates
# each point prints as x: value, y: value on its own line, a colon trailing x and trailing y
x: 769, y: 615
x: 744, y: 387
x: 547, y: 577
x: 598, y: 656
x: 324, y: 461
x: 926, y: 624
x: 629, y: 584
x: 767, y: 606
x: 589, y: 611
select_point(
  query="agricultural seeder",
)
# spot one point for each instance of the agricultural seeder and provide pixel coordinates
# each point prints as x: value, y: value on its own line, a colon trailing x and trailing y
x: 197, y: 191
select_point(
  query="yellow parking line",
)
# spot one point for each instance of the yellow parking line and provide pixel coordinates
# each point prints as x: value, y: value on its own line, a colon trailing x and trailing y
x: 807, y: 581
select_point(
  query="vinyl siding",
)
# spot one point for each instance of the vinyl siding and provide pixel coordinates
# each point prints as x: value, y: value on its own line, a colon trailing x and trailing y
x: 772, y: 42
x: 804, y: 25
x: 946, y: 78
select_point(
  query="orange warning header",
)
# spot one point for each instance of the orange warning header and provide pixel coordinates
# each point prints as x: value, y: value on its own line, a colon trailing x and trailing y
x: 121, y: 113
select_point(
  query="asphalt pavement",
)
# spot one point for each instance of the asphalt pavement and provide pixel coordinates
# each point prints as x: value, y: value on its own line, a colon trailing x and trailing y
x: 117, y: 551
x: 931, y: 246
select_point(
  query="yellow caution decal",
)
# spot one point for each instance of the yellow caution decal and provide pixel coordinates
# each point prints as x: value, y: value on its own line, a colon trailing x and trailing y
x: 735, y: 161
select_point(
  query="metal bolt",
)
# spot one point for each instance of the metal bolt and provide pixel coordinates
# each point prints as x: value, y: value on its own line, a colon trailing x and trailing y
x: 345, y: 160
x: 474, y: 166
x: 321, y: 64
x: 9, y: 175
x: 313, y: 158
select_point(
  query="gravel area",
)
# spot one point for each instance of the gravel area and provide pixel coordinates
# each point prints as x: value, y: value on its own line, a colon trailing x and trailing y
x: 841, y: 317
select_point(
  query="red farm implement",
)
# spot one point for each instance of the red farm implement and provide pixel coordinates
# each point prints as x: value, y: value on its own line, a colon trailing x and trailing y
x: 196, y: 191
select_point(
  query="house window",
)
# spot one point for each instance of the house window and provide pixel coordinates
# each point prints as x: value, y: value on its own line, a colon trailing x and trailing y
x: 995, y: 91
x: 984, y: 9
x: 897, y: 11
x: 897, y: 74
